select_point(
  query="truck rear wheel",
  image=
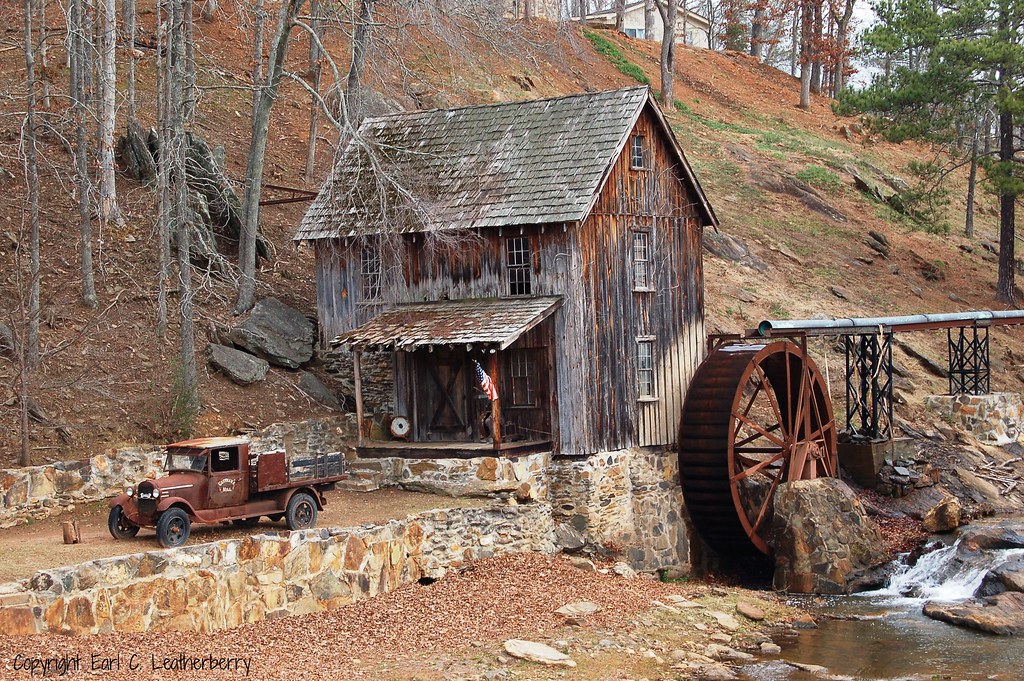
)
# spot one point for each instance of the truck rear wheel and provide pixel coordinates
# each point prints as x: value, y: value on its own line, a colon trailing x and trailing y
x: 119, y: 525
x: 301, y: 514
x: 173, y: 527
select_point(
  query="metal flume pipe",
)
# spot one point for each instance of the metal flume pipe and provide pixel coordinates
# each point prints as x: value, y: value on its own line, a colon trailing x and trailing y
x: 866, y: 325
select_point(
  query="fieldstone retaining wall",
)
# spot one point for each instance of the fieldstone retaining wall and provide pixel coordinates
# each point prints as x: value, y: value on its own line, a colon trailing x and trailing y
x: 376, y: 372
x: 228, y: 583
x: 995, y: 418
x: 627, y: 500
x: 41, y: 491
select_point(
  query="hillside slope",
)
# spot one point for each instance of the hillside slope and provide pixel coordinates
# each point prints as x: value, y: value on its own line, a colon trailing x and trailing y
x: 736, y: 119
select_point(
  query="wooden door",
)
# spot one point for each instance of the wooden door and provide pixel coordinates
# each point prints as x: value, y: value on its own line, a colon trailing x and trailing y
x: 445, y: 404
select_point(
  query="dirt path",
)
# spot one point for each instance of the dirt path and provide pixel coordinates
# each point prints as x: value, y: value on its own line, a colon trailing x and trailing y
x: 39, y: 545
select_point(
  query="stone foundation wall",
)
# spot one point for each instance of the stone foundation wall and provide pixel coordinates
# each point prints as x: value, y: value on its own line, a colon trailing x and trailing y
x: 628, y: 500
x: 376, y: 372
x: 228, y: 583
x: 41, y: 491
x: 995, y: 418
x: 523, y: 477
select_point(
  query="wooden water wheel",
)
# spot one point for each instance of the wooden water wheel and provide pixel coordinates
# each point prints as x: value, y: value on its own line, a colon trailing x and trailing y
x: 755, y: 415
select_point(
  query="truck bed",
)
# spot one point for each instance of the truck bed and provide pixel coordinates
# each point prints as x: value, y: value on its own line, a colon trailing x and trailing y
x: 273, y: 471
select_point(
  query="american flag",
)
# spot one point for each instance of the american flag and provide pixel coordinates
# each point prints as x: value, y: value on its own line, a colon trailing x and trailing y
x: 485, y: 382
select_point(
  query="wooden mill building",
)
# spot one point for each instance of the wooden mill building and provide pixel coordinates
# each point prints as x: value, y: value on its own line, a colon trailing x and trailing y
x: 555, y: 243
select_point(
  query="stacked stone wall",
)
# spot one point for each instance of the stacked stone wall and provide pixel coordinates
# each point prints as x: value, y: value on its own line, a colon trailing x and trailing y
x: 995, y: 418
x: 376, y: 373
x: 628, y: 500
x: 41, y: 491
x: 228, y: 583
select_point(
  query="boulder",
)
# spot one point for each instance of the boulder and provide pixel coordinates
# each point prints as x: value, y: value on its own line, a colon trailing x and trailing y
x: 730, y: 248
x: 240, y: 367
x: 943, y: 517
x: 537, y: 652
x: 276, y: 332
x: 568, y: 538
x: 579, y: 609
x: 750, y: 611
x: 822, y: 538
x: 999, y: 537
x: 319, y: 391
x: 1007, y: 577
x: 1002, y: 614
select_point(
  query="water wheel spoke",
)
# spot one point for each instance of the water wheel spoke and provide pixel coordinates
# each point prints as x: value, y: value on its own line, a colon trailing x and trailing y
x: 767, y: 502
x: 757, y: 467
x: 771, y: 396
x: 755, y: 436
x: 764, y: 432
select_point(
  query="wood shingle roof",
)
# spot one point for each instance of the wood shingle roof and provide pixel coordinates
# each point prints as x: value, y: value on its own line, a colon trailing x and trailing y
x: 531, y: 162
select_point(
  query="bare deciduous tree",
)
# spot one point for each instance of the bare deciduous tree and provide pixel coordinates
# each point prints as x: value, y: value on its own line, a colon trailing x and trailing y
x: 669, y: 10
x: 80, y: 68
x: 109, y: 211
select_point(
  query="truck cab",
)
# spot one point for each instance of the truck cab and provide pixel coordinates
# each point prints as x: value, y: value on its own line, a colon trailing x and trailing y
x: 217, y: 480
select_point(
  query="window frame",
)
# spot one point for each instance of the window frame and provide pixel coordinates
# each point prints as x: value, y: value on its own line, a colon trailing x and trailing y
x: 371, y: 275
x: 518, y: 266
x: 523, y: 359
x: 647, y: 261
x: 638, y: 149
x: 651, y: 393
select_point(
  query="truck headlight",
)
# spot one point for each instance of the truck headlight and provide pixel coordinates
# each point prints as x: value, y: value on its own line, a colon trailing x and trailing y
x: 129, y: 491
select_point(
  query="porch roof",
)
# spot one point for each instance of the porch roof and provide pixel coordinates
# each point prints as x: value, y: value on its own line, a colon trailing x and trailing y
x: 492, y: 322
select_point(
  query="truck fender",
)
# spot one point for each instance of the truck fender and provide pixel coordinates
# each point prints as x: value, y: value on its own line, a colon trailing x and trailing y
x: 311, y: 491
x: 120, y: 500
x: 168, y: 502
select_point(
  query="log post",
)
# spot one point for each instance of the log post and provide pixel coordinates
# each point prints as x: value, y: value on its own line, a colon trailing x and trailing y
x: 72, y: 533
x: 359, y: 396
x: 492, y: 369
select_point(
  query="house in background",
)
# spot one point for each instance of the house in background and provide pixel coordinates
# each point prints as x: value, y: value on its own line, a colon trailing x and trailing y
x: 691, y: 28
x: 516, y: 277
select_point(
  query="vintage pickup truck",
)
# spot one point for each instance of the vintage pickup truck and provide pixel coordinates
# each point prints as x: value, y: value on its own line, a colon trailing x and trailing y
x: 217, y: 480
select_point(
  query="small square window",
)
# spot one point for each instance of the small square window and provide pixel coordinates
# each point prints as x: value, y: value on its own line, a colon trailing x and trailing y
x: 637, y: 152
x: 370, y: 273
x: 518, y: 266
x: 645, y: 368
x: 642, y: 261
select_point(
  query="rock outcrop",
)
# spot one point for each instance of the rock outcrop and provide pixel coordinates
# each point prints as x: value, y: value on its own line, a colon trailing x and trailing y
x: 276, y: 332
x: 240, y: 367
x: 1002, y: 614
x: 823, y: 540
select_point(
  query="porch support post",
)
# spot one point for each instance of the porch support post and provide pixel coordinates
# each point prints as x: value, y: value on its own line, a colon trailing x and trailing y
x: 359, y: 396
x: 492, y: 369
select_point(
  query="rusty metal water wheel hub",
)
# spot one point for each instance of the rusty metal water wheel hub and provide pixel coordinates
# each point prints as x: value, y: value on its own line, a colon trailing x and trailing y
x: 755, y: 416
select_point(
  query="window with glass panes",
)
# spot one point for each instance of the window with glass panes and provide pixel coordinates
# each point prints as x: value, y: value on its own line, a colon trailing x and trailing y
x: 369, y: 271
x: 523, y: 374
x: 637, y: 155
x: 518, y: 264
x: 641, y: 260
x: 645, y: 368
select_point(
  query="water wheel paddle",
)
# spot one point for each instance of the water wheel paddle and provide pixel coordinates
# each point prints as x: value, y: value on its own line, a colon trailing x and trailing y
x: 755, y: 415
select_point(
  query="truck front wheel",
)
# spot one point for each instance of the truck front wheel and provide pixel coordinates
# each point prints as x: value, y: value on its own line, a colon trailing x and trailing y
x: 172, y: 528
x: 119, y: 525
x: 301, y: 514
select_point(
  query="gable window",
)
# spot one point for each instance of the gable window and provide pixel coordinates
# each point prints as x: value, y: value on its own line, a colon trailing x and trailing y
x: 645, y: 368
x: 523, y: 372
x: 518, y: 264
x: 637, y: 152
x: 642, y: 261
x: 370, y: 273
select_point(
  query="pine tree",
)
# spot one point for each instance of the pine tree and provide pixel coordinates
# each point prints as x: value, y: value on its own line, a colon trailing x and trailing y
x: 951, y: 59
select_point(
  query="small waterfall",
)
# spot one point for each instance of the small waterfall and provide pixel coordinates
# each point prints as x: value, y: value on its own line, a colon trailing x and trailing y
x: 946, y: 574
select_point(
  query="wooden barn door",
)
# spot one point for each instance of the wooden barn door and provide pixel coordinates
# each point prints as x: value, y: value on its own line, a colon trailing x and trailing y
x: 445, y: 406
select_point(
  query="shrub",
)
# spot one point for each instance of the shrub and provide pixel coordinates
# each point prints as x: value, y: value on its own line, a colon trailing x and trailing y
x: 615, y: 56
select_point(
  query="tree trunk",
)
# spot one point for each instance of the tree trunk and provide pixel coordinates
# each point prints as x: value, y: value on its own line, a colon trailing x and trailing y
x: 44, y: 79
x: 360, y: 46
x: 32, y: 176
x: 581, y: 11
x: 669, y: 10
x: 163, y: 164
x: 1005, y: 289
x: 806, y: 34
x: 314, y: 108
x: 191, y: 90
x: 129, y: 29
x: 794, y: 41
x: 79, y: 71
x: 109, y: 211
x: 843, y: 41
x: 649, y: 19
x: 972, y: 180
x: 187, y: 395
x: 757, y: 31
x: 815, y: 48
x: 620, y: 15
x: 257, y: 154
x: 210, y: 10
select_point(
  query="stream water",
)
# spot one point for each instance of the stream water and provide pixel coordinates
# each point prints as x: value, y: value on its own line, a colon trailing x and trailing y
x: 883, y: 635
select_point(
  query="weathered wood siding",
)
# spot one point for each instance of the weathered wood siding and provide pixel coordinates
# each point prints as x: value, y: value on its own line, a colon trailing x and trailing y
x: 590, y: 265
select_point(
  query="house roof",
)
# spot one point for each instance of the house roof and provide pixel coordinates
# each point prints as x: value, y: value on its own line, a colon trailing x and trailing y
x: 494, y: 322
x: 531, y: 162
x: 640, y: 4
